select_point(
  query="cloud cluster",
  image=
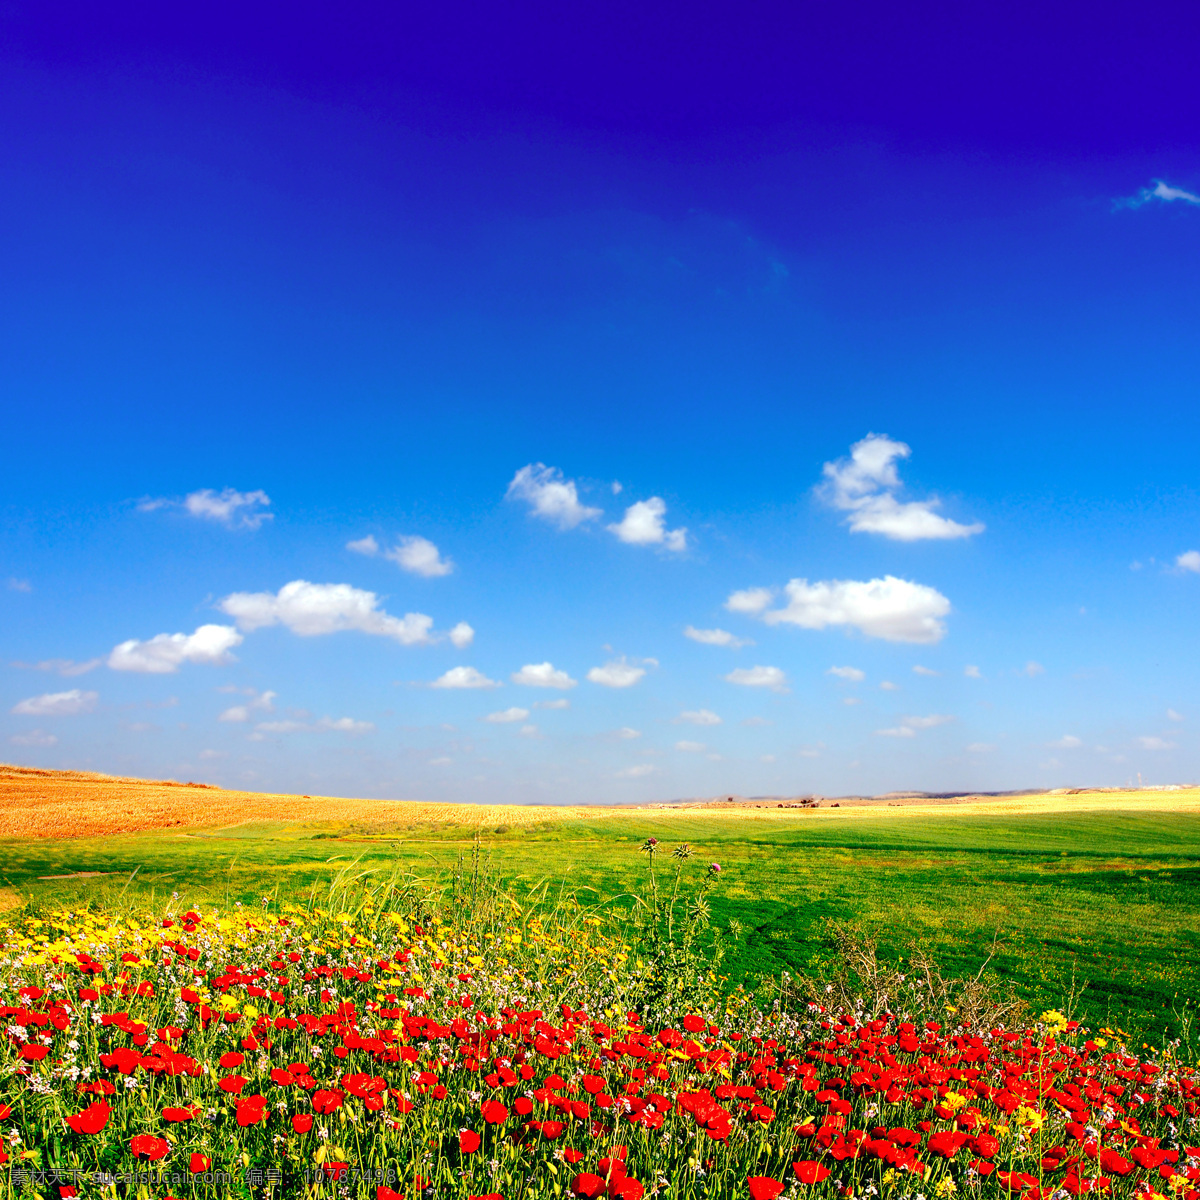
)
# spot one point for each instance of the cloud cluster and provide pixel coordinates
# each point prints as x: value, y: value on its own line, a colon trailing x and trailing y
x: 896, y: 610
x: 853, y: 674
x: 166, y: 652
x: 508, y: 716
x: 643, y: 525
x: 57, y: 704
x: 417, y: 555
x: 550, y: 496
x: 715, y: 637
x: 762, y: 677
x: 464, y: 678
x: 865, y: 486
x: 1189, y: 560
x: 701, y: 716
x: 229, y: 507
x: 909, y: 726
x: 258, y: 702
x: 619, y: 672
x: 1160, y: 191
x: 543, y: 675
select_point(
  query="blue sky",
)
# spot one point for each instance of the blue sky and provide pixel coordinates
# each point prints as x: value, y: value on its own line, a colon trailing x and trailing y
x: 350, y: 393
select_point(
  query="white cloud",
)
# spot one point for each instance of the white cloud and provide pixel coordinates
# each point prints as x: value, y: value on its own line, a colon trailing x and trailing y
x: 715, y: 637
x: 462, y: 635
x: 550, y: 496
x: 280, y: 726
x: 627, y: 735
x: 701, y: 716
x: 643, y: 525
x: 57, y: 704
x: 638, y: 772
x: 929, y: 722
x: 529, y: 731
x: 507, y: 716
x: 263, y: 702
x: 35, y: 737
x: 972, y: 672
x: 751, y: 601
x: 888, y: 686
x: 864, y: 485
x: 239, y: 712
x: 690, y: 747
x: 230, y: 507
x: 900, y: 731
x: 1155, y: 743
x: 1172, y: 715
x: 164, y: 653
x: 920, y: 670
x: 851, y: 700
x: 312, y: 609
x: 1067, y: 742
x: 851, y: 673
x: 1160, y: 191
x: 980, y: 747
x: 345, y: 725
x: 768, y: 677
x: 463, y: 677
x: 443, y: 761
x: 1033, y: 669
x: 66, y: 667
x: 560, y: 703
x: 895, y: 610
x: 368, y: 546
x: 618, y: 673
x: 1189, y: 560
x: 419, y: 556
x: 543, y: 675
x: 19, y: 585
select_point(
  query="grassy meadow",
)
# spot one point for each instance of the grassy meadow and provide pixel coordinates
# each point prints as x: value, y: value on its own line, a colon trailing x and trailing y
x: 1101, y: 904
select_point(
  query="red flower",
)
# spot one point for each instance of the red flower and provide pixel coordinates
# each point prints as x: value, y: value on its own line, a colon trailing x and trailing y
x: 763, y: 1187
x: 468, y: 1141
x: 146, y: 1145
x: 326, y: 1100
x: 32, y: 1053
x: 485, y: 1196
x: 586, y: 1184
x: 335, y: 1170
x: 231, y: 1060
x: 92, y: 1119
x: 179, y: 1114
x: 199, y: 1163
x: 387, y: 1193
x: 302, y: 1122
x: 232, y: 1084
x: 252, y: 1110
x: 494, y: 1113
x: 809, y: 1171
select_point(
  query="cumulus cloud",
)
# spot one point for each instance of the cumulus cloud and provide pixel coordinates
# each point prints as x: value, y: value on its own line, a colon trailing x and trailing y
x: 764, y: 677
x: 66, y: 667
x: 1155, y: 743
x: 715, y: 637
x: 312, y: 609
x: 888, y: 686
x: 617, y: 673
x: 690, y: 747
x: 367, y: 546
x: 865, y: 486
x: 972, y: 672
x: 920, y: 670
x: 462, y: 635
x: 637, y: 772
x: 57, y: 704
x: 853, y: 674
x: 164, y: 653
x: 895, y: 610
x: 508, y: 716
x: 1067, y: 742
x: 751, y: 601
x: 230, y: 507
x: 700, y: 716
x: 550, y: 496
x: 35, y: 737
x: 530, y: 731
x: 543, y: 675
x: 464, y: 677
x: 1172, y: 715
x: 1189, y: 560
x: 263, y: 702
x: 419, y: 556
x: 643, y: 525
x: 1161, y: 191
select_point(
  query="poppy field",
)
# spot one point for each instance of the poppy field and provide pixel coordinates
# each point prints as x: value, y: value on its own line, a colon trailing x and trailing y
x: 386, y: 1039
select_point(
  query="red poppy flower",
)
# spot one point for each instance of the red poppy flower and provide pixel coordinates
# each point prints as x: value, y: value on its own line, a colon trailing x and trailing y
x: 302, y: 1122
x: 386, y: 1193
x: 468, y: 1141
x: 494, y: 1113
x: 92, y: 1119
x: 252, y: 1110
x: 586, y: 1184
x: 232, y: 1084
x: 335, y: 1170
x: 199, y: 1163
x: 485, y: 1196
x: 327, y: 1100
x: 810, y: 1172
x: 34, y: 1053
x: 763, y: 1187
x: 146, y: 1145
x: 231, y: 1060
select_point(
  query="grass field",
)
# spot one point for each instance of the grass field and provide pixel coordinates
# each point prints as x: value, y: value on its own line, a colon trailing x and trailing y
x: 1095, y: 896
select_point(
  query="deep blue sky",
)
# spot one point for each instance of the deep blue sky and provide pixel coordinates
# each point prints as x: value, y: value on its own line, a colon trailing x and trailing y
x: 373, y: 264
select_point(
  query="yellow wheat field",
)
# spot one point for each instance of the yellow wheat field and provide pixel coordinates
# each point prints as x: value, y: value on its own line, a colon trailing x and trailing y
x: 37, y: 803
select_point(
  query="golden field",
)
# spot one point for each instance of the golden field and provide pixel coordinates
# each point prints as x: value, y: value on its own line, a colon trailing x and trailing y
x: 38, y: 803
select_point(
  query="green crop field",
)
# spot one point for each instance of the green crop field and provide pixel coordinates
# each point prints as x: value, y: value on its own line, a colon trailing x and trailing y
x: 1106, y: 902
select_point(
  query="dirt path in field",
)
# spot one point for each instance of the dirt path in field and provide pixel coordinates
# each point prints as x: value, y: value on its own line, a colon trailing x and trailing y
x: 64, y: 804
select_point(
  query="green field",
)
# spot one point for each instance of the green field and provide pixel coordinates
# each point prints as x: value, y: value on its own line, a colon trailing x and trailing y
x: 1106, y: 899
